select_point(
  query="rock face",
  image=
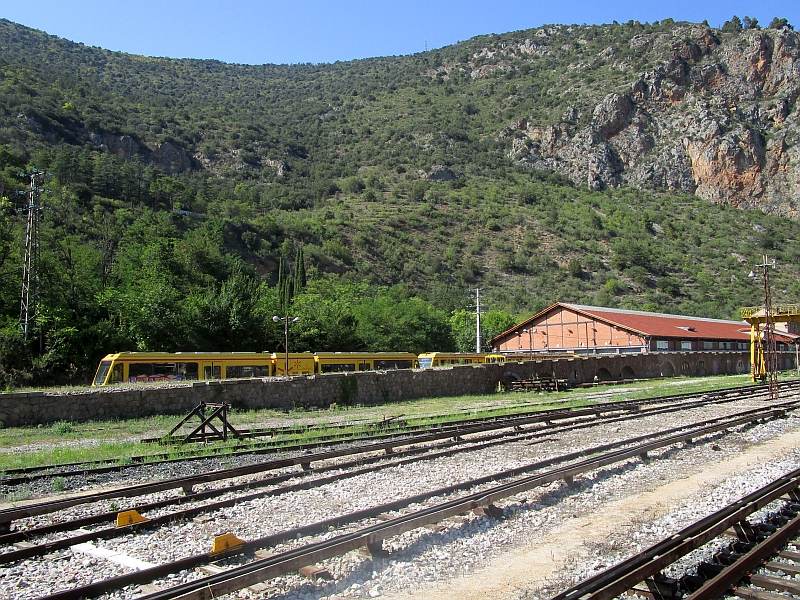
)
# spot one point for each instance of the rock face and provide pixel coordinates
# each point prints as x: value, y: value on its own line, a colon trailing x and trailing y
x: 718, y: 118
x: 167, y: 156
x: 438, y: 173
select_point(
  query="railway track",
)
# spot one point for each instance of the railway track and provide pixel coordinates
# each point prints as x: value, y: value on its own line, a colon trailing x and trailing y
x: 393, y: 430
x: 519, y: 479
x: 476, y: 436
x: 754, y: 547
x: 358, y: 467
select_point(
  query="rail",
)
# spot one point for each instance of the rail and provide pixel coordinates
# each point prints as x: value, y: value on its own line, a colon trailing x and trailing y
x: 372, y: 536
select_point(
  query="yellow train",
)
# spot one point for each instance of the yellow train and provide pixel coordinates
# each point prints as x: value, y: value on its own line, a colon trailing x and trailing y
x: 443, y: 359
x: 149, y: 367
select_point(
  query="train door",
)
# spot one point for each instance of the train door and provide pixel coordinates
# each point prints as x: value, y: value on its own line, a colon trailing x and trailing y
x: 212, y: 370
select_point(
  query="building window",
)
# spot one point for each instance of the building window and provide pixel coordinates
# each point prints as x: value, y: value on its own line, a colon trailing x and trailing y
x: 662, y: 344
x: 708, y: 345
x: 686, y: 345
x: 742, y: 345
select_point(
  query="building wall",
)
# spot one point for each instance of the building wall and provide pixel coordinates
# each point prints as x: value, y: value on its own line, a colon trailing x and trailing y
x: 367, y: 388
x: 565, y: 329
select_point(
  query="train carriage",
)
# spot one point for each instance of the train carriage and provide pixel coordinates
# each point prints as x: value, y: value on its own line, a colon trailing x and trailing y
x: 338, y: 362
x: 149, y: 367
x: 443, y: 359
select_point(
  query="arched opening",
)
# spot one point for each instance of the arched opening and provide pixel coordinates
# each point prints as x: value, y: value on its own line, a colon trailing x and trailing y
x: 603, y: 375
x: 505, y: 381
x: 701, y: 368
x: 668, y: 371
x: 715, y: 368
x: 627, y: 373
x: 685, y: 369
x: 728, y: 367
x: 740, y: 367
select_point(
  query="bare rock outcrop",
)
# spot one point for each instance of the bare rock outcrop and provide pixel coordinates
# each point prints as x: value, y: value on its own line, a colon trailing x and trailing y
x: 167, y: 156
x: 717, y: 117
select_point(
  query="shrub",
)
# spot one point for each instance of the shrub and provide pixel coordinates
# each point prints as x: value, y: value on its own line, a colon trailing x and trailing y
x: 62, y: 427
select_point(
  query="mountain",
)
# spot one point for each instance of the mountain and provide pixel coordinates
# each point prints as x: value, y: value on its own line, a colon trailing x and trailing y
x: 632, y: 165
x: 671, y: 106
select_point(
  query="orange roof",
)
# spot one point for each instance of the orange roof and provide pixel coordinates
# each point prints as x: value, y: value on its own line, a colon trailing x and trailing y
x: 664, y: 325
x: 658, y: 325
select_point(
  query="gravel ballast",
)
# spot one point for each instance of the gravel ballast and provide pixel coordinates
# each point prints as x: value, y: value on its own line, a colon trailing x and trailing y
x: 422, y: 559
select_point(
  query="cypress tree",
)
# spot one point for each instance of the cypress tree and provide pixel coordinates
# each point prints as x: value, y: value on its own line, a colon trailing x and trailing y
x: 285, y: 287
x: 299, y: 272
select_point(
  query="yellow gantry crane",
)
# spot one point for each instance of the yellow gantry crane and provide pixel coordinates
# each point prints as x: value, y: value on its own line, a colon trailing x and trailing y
x: 762, y: 340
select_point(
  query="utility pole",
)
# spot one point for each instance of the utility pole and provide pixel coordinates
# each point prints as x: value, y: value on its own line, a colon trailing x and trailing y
x: 478, y: 341
x: 29, y: 312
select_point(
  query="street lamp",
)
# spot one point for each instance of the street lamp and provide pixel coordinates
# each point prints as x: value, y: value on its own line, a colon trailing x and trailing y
x: 286, y: 320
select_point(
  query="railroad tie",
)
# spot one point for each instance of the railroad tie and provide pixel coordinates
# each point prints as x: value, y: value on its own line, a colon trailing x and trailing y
x: 315, y: 572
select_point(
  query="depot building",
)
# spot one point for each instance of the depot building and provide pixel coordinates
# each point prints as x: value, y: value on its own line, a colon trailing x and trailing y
x: 578, y: 329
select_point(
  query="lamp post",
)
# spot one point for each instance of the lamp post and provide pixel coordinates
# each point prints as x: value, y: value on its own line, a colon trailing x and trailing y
x: 286, y: 320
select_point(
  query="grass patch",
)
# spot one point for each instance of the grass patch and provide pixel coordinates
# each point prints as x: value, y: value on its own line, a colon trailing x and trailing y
x: 67, y: 442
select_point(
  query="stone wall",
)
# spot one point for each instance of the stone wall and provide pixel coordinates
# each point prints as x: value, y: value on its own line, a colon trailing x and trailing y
x: 368, y: 388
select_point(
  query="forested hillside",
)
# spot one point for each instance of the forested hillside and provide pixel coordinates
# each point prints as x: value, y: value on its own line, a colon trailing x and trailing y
x: 539, y: 165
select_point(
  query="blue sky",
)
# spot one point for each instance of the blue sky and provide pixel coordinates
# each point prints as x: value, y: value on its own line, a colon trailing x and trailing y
x: 297, y: 31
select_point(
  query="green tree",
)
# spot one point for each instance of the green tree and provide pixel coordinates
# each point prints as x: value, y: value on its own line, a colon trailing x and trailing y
x: 733, y: 26
x: 779, y: 23
x: 395, y: 320
x: 463, y: 327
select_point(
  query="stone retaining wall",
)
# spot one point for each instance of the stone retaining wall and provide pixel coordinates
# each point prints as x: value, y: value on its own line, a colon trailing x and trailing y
x: 368, y: 388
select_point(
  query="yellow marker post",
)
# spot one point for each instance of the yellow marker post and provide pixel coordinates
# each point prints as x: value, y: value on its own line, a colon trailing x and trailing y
x: 129, y: 517
x: 226, y: 543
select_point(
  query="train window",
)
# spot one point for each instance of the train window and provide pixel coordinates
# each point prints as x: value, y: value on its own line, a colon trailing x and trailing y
x: 191, y: 371
x: 212, y: 372
x: 243, y: 372
x: 364, y: 367
x: 425, y: 363
x: 388, y: 365
x: 102, y: 371
x: 337, y: 367
x: 116, y: 374
x: 150, y: 372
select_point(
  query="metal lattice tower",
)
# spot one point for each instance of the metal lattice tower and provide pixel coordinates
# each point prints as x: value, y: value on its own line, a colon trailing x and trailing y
x: 28, y: 312
x: 770, y: 351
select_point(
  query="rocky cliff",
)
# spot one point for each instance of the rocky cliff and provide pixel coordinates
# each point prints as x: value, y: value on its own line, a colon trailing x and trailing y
x: 716, y: 116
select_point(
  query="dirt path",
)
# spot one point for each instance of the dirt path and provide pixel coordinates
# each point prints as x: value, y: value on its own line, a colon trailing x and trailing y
x: 527, y: 569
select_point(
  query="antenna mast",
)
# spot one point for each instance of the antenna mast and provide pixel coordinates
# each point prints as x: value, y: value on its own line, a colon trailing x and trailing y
x: 28, y: 312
